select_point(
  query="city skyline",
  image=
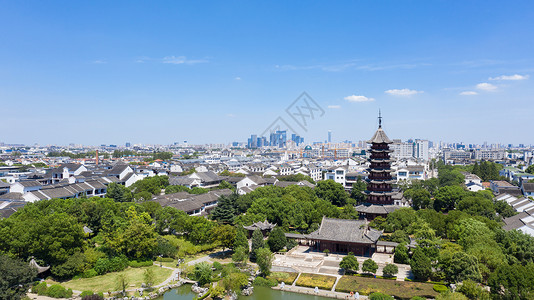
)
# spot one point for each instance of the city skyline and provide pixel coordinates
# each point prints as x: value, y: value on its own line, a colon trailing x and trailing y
x: 141, y: 73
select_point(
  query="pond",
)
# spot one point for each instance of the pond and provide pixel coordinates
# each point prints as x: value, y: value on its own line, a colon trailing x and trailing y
x: 260, y: 293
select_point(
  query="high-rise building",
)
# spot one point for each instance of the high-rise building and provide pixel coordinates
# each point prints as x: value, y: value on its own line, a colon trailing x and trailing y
x: 420, y: 149
x: 278, y: 138
x: 252, y: 142
x: 128, y: 144
x: 329, y: 136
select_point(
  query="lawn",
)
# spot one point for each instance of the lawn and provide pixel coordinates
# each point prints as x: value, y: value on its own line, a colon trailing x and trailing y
x: 285, y: 277
x: 108, y: 282
x: 323, y: 282
x: 398, y: 289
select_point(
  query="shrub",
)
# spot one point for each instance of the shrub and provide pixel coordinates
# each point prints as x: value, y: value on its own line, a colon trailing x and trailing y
x: 165, y: 259
x: 40, y: 289
x: 390, y: 270
x: 369, y: 266
x: 217, y: 265
x: 349, y: 263
x: 100, y: 296
x: 267, y: 282
x: 86, y: 293
x: 440, y: 288
x: 139, y: 264
x: 57, y: 291
x: 417, y: 298
x: 89, y: 273
x: 115, y: 264
x: 380, y: 296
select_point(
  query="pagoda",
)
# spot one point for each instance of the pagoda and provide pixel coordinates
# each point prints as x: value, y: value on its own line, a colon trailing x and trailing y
x: 380, y: 195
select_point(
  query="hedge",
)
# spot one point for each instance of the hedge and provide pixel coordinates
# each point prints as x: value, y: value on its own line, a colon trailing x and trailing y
x: 440, y: 288
x: 139, y: 264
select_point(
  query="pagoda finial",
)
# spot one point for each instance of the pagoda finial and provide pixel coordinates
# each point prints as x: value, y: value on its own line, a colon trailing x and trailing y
x: 379, y: 119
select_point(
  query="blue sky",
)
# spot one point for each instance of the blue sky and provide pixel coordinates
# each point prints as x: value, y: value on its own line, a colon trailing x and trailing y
x: 109, y: 72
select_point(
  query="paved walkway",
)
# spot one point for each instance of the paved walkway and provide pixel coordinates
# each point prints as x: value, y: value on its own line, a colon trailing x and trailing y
x: 311, y: 291
x: 303, y: 260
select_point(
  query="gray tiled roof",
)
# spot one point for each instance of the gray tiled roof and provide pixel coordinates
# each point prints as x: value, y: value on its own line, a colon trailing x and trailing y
x: 528, y: 187
x: 30, y: 183
x: 351, y: 231
x: 376, y: 209
x: 380, y: 137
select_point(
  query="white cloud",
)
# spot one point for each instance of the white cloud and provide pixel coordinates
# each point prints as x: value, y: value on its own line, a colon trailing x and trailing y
x: 237, y: 78
x: 484, y: 86
x: 402, y: 92
x: 510, y: 77
x: 230, y: 115
x: 178, y: 60
x: 99, y: 61
x: 334, y: 106
x: 354, y: 98
x: 468, y: 93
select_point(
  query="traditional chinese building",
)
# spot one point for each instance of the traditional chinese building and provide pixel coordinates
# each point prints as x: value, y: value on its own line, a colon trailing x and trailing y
x: 343, y: 236
x: 380, y: 195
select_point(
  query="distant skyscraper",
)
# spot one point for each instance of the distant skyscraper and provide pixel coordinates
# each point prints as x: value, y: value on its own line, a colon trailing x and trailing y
x: 278, y: 138
x: 329, y: 136
x: 128, y: 144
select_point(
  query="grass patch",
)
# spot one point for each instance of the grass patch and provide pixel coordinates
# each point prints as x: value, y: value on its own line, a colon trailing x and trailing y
x: 398, y: 289
x: 323, y: 282
x: 108, y: 282
x: 285, y: 277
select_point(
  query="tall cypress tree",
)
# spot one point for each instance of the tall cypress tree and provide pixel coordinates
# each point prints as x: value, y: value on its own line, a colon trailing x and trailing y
x: 241, y: 240
x: 257, y: 243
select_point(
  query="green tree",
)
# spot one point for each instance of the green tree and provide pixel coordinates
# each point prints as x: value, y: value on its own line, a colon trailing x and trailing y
x: 331, y: 191
x: 203, y: 273
x: 420, y: 265
x: 447, y: 197
x: 401, y: 254
x: 122, y: 283
x: 240, y: 255
x: 349, y: 263
x: 235, y: 281
x: 357, y: 188
x: 171, y: 189
x: 530, y: 169
x: 224, y: 234
x: 277, y: 239
x: 226, y: 185
x: 472, y: 290
x: 420, y: 198
x: 241, y: 239
x: 257, y: 243
x: 400, y: 236
x: 369, y: 266
x: 225, y: 210
x: 143, y: 196
x: 264, y: 259
x: 400, y: 219
x: 149, y: 277
x: 380, y: 296
x: 462, y: 267
x: 390, y: 270
x: 296, y: 178
x: 512, y: 282
x: 119, y: 193
x: 15, y: 277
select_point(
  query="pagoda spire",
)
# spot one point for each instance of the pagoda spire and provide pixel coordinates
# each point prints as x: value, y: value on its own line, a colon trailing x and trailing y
x: 379, y: 119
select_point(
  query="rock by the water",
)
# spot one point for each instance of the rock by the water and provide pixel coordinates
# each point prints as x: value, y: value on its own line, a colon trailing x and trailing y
x: 247, y: 291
